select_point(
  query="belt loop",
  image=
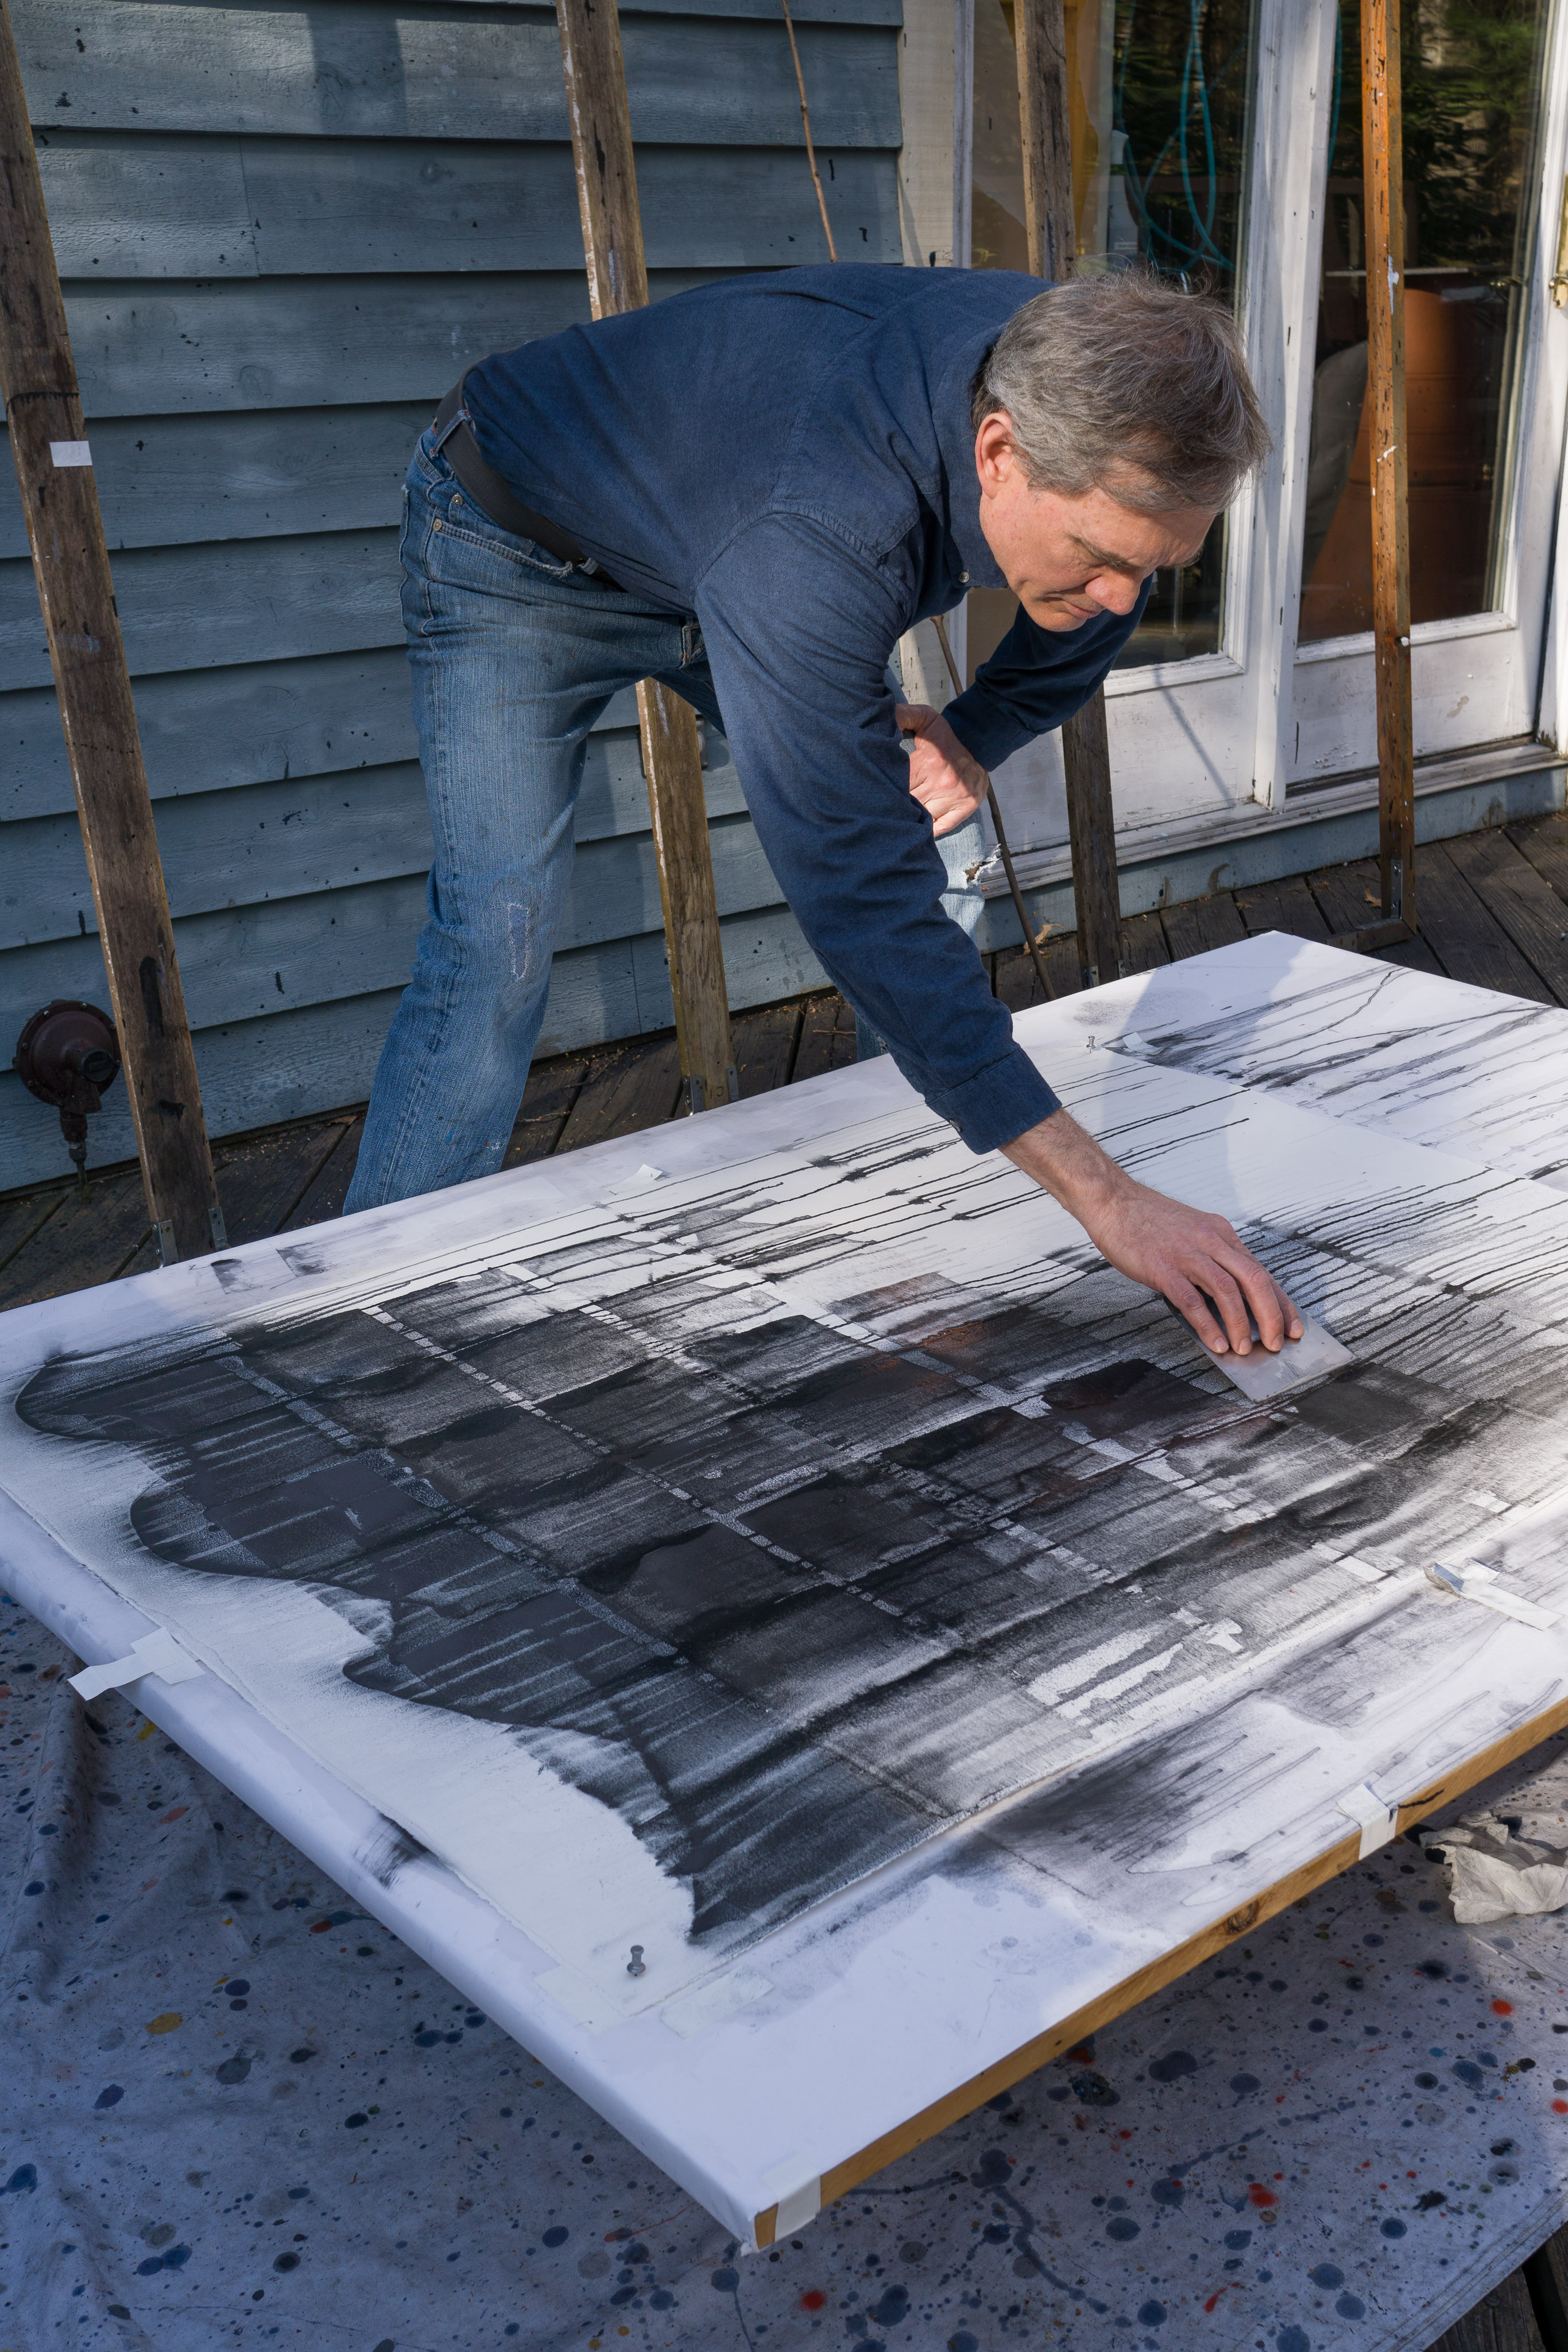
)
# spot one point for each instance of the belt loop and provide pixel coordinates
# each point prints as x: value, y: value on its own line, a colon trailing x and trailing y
x: 451, y: 414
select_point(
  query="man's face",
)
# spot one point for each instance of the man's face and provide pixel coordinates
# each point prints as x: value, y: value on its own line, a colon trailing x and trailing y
x: 1066, y: 560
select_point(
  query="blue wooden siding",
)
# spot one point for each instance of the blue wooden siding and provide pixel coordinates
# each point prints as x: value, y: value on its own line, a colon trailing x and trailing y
x: 284, y: 230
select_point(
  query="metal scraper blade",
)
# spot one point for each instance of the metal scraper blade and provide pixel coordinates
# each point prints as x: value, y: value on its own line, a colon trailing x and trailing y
x: 1261, y: 1376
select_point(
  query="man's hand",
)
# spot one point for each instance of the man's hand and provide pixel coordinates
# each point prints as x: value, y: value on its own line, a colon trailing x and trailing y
x: 1192, y: 1258
x: 948, y: 783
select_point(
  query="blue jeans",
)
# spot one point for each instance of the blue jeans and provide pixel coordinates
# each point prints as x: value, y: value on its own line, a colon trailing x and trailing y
x: 515, y: 657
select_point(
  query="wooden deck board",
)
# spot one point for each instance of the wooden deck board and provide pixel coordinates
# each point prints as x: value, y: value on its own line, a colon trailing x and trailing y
x: 1200, y: 924
x: 1520, y: 900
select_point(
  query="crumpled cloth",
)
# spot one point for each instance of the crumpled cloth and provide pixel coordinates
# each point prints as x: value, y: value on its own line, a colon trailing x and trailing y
x: 1493, y: 1875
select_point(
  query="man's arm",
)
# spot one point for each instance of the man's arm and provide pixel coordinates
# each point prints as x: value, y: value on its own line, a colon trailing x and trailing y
x: 793, y: 631
x: 1195, y: 1260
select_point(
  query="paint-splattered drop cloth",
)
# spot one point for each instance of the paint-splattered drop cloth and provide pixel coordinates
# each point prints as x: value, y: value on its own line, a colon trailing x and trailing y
x: 237, y: 2112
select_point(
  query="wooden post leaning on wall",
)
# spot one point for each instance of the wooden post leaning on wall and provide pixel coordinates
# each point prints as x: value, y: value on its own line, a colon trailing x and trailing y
x: 1049, y: 217
x: 1382, y: 118
x: 70, y: 560
x: 672, y: 755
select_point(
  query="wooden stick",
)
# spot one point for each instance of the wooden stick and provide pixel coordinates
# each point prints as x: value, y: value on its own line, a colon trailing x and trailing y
x: 1049, y: 223
x: 1382, y: 134
x: 618, y: 280
x: 92, y: 684
x: 1036, y: 955
x: 805, y: 119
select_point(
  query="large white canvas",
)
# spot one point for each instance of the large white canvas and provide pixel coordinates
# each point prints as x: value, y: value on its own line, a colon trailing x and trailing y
x: 985, y: 1616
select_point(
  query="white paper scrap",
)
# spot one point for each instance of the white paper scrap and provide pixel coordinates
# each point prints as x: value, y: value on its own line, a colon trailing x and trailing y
x: 1474, y: 1582
x: 155, y: 1654
x: 71, y: 453
x: 1260, y: 1375
x: 1378, y: 1819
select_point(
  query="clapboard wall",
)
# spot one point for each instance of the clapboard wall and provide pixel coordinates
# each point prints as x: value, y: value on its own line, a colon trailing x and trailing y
x: 284, y: 231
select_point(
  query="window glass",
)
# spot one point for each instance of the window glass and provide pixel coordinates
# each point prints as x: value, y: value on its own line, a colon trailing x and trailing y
x: 1160, y: 95
x: 1471, y: 74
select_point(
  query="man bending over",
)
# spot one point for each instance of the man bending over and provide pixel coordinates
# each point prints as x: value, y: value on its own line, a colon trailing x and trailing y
x: 750, y: 492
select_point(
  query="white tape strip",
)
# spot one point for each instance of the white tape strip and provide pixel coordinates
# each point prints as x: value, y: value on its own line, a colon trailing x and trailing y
x: 798, y: 2201
x: 711, y: 2003
x: 1474, y: 1582
x: 71, y: 453
x: 156, y: 1653
x: 1378, y: 1821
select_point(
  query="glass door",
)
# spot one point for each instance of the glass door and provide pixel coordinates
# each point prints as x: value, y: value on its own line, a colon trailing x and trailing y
x: 1483, y: 440
x: 1219, y: 142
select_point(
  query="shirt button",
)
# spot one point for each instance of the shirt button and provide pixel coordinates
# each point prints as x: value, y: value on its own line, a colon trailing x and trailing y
x: 965, y: 578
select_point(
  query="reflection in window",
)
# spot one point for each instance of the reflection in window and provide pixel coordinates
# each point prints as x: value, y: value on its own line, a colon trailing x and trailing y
x: 1160, y: 95
x: 1471, y: 73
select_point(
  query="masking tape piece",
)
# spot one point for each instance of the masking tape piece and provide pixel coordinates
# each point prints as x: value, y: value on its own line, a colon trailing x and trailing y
x: 798, y: 2201
x: 711, y: 2003
x: 155, y: 1654
x: 1378, y: 1821
x: 583, y: 2002
x: 71, y: 453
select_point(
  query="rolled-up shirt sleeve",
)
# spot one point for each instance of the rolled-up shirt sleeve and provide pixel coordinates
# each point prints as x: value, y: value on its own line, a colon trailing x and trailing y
x: 796, y: 635
x: 1036, y: 679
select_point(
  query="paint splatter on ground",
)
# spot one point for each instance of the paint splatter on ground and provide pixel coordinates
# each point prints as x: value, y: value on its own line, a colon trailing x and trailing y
x: 239, y: 2112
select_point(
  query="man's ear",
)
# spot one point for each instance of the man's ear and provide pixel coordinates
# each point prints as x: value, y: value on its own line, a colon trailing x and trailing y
x: 995, y: 453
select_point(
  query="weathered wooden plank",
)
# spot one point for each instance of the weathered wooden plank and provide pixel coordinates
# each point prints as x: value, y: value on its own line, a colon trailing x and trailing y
x: 319, y: 1057
x: 323, y: 1198
x: 1383, y: 170
x: 827, y: 1040
x: 1015, y: 981
x: 1545, y: 844
x: 765, y: 955
x: 765, y: 1048
x: 124, y: 206
x: 80, y: 623
x: 1202, y: 924
x: 220, y: 730
x: 1520, y: 899
x: 627, y: 1091
x: 1502, y: 2320
x: 1469, y: 941
x: 1145, y: 947
x: 20, y: 1220
x: 348, y: 71
x: 262, y: 1179
x: 289, y: 841
x: 553, y: 1087
x: 189, y: 608
x: 242, y: 343
x: 170, y: 481
x: 1286, y: 905
x: 326, y: 207
x: 246, y: 962
x: 87, y: 1240
x: 1545, y: 2275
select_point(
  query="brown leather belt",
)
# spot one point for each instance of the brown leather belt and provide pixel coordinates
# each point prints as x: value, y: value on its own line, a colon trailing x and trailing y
x: 491, y: 494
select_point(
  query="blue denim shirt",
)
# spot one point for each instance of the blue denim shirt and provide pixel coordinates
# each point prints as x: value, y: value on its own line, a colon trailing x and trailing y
x: 789, y: 460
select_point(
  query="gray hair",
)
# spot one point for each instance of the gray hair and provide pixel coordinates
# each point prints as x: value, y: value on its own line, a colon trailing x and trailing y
x: 1123, y: 383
